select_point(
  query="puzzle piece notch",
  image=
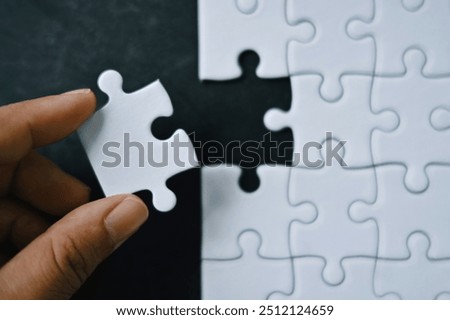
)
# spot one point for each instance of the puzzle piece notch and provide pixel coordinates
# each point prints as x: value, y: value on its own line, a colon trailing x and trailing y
x: 247, y: 277
x: 418, y: 276
x: 440, y: 118
x: 399, y: 25
x: 333, y: 235
x: 309, y: 284
x: 126, y: 120
x: 310, y: 117
x: 225, y: 32
x: 414, y: 107
x: 227, y: 211
x: 398, y: 212
x: 331, y: 53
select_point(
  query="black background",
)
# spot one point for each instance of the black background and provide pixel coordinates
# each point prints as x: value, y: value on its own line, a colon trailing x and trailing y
x: 52, y: 46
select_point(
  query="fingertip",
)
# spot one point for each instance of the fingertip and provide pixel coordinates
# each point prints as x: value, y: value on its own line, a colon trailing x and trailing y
x: 138, y: 200
x: 137, y: 203
x: 126, y: 218
x: 83, y: 102
x: 38, y: 122
x: 77, y: 91
x: 91, y: 101
x: 58, y: 262
x: 108, y: 204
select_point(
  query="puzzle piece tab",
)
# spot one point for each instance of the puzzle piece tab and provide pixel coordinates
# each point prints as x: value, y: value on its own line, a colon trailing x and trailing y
x: 228, y: 211
x: 440, y: 118
x: 229, y: 27
x: 247, y: 277
x: 126, y: 157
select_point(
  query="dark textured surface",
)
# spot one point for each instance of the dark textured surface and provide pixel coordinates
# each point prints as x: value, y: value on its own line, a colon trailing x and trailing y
x: 51, y: 46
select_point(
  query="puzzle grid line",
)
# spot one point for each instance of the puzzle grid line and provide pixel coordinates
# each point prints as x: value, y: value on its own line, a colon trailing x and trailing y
x: 414, y: 68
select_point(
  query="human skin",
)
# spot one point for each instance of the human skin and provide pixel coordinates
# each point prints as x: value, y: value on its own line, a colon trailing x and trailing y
x: 53, y: 260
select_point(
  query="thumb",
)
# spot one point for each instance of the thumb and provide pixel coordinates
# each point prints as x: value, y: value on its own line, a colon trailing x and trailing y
x: 57, y: 263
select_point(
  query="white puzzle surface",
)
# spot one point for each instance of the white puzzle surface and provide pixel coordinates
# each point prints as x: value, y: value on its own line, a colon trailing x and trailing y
x: 375, y: 74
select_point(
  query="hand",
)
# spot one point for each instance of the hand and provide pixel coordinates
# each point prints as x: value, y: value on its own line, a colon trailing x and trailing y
x: 54, y: 260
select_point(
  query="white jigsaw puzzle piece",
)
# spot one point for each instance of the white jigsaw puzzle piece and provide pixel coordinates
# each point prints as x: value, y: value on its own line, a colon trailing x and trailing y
x: 415, y: 143
x: 400, y: 25
x: 227, y: 211
x: 332, y: 53
x: 131, y: 115
x: 248, y: 277
x: 399, y: 213
x: 415, y: 278
x: 229, y: 27
x: 309, y: 284
x: 333, y: 235
x: 349, y: 119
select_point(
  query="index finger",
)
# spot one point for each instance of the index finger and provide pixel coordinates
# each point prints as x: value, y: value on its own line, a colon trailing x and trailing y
x: 35, y: 123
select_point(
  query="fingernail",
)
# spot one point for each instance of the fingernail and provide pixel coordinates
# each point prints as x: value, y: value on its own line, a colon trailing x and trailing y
x: 79, y: 91
x: 126, y: 218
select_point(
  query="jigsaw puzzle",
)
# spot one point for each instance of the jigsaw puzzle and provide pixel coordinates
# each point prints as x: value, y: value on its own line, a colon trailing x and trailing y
x: 376, y: 75
x: 123, y: 125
